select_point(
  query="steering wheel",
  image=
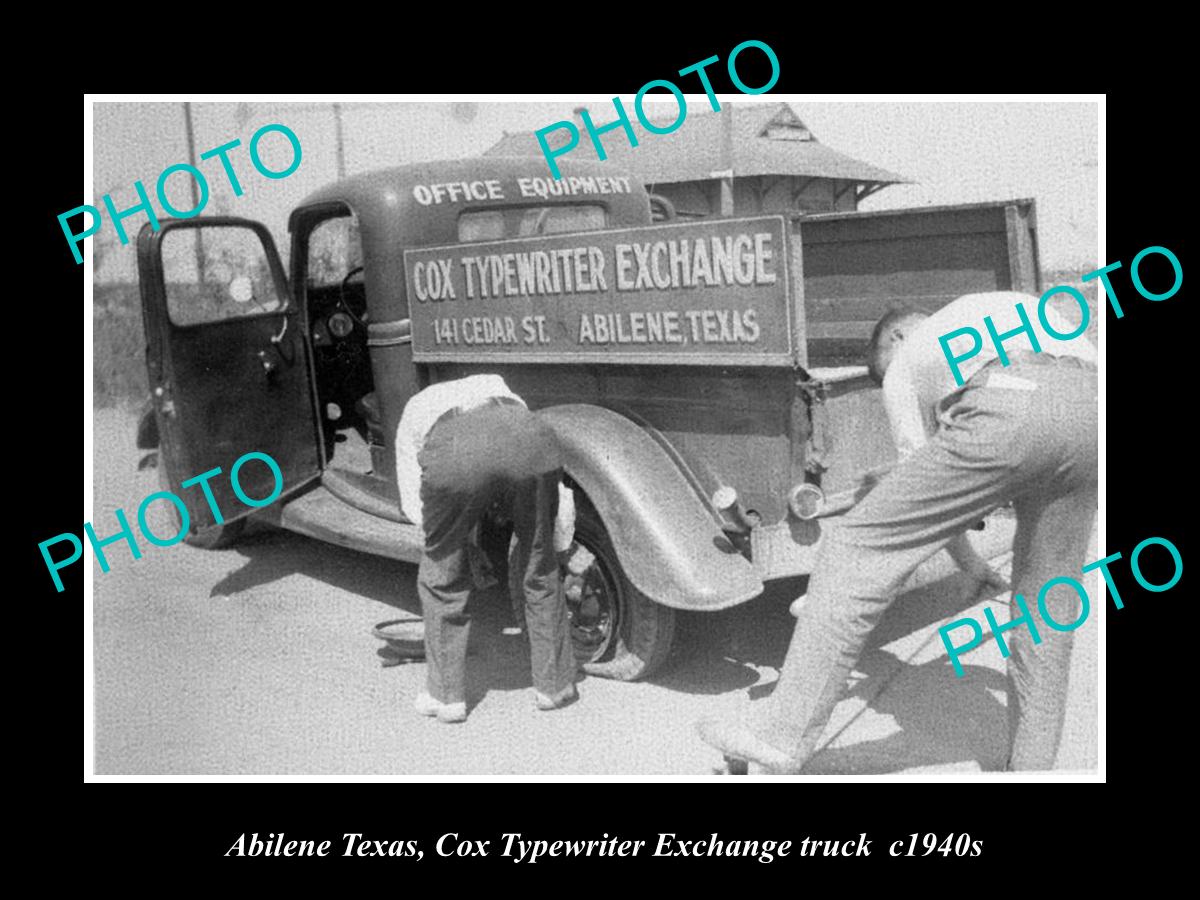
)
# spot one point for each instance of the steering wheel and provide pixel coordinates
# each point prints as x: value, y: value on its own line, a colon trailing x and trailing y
x: 360, y: 317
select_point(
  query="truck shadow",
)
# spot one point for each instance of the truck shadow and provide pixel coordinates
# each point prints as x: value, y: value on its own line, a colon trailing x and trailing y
x: 938, y: 718
x: 271, y: 554
x: 724, y: 651
x: 715, y: 653
x: 496, y: 661
x: 935, y: 717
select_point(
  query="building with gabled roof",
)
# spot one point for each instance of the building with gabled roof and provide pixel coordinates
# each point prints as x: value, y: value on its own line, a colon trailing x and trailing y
x: 744, y: 160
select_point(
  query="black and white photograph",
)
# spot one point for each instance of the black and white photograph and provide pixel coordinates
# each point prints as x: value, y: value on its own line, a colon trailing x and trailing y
x: 682, y: 436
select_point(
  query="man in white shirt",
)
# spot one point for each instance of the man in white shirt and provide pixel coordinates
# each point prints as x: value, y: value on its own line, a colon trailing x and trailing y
x: 1017, y: 428
x: 462, y: 446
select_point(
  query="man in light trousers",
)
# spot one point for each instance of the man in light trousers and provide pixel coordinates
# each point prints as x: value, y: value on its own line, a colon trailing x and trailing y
x: 1024, y: 433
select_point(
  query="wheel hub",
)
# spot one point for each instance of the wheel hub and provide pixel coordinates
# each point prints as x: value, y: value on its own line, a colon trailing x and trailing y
x: 591, y: 603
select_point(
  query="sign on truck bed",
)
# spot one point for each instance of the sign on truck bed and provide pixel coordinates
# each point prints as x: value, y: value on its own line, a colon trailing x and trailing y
x: 703, y: 293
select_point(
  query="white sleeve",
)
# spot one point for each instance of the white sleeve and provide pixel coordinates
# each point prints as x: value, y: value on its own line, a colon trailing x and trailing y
x: 408, y: 470
x: 903, y: 410
x: 564, y: 524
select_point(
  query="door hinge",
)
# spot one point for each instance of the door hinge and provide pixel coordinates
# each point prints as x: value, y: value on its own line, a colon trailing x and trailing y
x: 166, y: 405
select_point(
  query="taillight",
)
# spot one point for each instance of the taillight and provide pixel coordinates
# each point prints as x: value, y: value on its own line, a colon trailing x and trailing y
x: 806, y: 501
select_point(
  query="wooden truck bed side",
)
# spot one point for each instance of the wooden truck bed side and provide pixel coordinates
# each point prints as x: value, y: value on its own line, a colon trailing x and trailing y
x: 858, y: 265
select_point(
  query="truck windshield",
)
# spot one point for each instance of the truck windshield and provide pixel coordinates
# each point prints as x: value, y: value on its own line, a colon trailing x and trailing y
x: 525, y: 221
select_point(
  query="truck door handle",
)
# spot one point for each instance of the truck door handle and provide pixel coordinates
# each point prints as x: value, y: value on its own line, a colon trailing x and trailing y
x: 278, y: 343
x: 276, y: 338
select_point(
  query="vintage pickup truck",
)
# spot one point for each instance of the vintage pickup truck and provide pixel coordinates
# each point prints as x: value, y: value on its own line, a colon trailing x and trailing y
x: 704, y: 375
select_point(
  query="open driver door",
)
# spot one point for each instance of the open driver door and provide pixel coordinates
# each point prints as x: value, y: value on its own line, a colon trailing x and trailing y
x: 228, y: 365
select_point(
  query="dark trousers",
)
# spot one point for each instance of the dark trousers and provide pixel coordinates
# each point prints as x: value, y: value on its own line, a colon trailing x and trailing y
x: 1029, y: 438
x: 493, y: 454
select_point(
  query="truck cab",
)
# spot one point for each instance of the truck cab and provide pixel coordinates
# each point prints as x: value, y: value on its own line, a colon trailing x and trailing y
x: 714, y: 417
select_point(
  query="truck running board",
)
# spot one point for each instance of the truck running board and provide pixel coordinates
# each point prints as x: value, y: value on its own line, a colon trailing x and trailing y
x: 372, y: 495
x: 321, y: 515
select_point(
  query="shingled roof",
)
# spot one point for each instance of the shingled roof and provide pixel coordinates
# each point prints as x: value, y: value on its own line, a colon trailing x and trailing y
x: 768, y: 139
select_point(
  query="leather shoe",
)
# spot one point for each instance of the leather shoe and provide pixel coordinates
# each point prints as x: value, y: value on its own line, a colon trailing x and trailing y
x: 737, y: 742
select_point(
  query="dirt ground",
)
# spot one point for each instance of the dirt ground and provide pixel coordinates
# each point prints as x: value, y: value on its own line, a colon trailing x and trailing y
x: 259, y: 660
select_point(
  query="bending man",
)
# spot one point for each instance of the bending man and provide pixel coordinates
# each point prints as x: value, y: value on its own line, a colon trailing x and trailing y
x: 1020, y: 429
x: 460, y: 447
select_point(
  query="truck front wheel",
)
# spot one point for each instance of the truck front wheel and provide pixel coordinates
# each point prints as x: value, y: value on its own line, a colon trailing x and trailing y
x: 617, y: 631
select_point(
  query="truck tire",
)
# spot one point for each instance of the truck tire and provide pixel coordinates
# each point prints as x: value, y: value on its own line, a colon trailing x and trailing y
x: 618, y: 631
x: 163, y: 519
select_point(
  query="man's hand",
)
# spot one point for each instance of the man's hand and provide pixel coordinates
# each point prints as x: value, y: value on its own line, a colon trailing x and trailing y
x: 987, y: 581
x: 983, y: 577
x: 576, y: 559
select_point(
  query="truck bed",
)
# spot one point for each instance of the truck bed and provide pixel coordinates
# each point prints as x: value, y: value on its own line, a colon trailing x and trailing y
x: 857, y: 265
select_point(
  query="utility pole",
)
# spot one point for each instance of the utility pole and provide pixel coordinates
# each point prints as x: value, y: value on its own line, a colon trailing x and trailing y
x: 340, y: 140
x: 727, y: 160
x: 190, y: 131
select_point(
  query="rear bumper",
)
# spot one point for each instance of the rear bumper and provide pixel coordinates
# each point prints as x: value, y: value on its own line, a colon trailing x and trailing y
x: 790, y: 548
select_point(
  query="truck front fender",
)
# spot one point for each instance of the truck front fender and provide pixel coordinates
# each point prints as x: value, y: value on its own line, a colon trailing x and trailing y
x: 666, y: 538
